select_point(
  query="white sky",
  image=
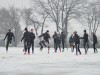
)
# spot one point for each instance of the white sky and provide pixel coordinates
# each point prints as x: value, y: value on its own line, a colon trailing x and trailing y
x: 26, y: 3
x: 16, y: 3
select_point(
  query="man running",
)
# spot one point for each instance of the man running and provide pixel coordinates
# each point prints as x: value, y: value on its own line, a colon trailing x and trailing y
x: 63, y: 40
x: 55, y: 34
x: 71, y: 42
x: 57, y: 42
x: 77, y: 43
x: 45, y: 42
x: 94, y: 42
x: 32, y: 40
x: 9, y: 37
x: 27, y: 38
x: 85, y: 41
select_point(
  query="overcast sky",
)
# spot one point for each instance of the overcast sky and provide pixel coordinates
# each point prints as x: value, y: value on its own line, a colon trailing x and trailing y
x: 16, y: 3
x: 26, y: 3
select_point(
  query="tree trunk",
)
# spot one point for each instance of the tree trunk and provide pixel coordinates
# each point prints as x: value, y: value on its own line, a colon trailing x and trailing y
x: 16, y: 38
x: 36, y: 31
x: 66, y: 31
x: 43, y: 24
x: 57, y: 26
x: 62, y: 15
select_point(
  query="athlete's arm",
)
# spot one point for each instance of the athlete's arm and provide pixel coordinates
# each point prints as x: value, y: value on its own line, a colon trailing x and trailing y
x: 5, y: 36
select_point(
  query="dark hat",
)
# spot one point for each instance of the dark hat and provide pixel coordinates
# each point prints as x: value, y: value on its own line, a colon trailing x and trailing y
x: 61, y: 32
x: 25, y: 29
x: 32, y: 29
x: 9, y: 29
x: 84, y: 30
x: 47, y: 31
x: 75, y: 32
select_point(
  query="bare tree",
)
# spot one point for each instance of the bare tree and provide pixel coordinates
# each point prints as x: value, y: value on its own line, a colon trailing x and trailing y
x: 4, y: 20
x: 30, y: 19
x: 69, y: 9
x: 90, y: 16
x: 93, y: 17
x: 14, y: 15
x: 60, y: 11
x: 41, y: 14
x: 51, y: 8
x: 10, y: 19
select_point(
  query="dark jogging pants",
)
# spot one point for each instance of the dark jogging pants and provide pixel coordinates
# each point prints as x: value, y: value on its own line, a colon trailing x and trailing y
x: 7, y: 45
x: 94, y: 47
x: 77, y: 49
x: 27, y: 46
x: 32, y: 44
x: 63, y: 43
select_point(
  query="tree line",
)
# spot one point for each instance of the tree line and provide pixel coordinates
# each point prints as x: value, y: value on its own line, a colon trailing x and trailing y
x: 60, y: 12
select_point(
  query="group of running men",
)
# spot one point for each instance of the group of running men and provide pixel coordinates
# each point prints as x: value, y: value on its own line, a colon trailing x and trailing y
x: 28, y: 39
x: 59, y: 39
x: 74, y: 41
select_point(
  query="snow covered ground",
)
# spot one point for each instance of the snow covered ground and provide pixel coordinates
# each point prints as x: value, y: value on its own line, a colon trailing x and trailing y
x: 42, y: 63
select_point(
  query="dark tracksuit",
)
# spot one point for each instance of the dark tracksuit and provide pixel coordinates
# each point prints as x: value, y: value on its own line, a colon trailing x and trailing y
x: 32, y: 41
x: 77, y: 43
x: 45, y: 40
x: 71, y: 42
x: 54, y: 39
x: 63, y: 40
x: 9, y: 37
x: 85, y: 42
x: 57, y: 43
x: 42, y: 43
x: 27, y: 38
x: 94, y: 43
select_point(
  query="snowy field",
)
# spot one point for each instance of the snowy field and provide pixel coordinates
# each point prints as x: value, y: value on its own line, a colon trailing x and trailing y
x: 41, y: 63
